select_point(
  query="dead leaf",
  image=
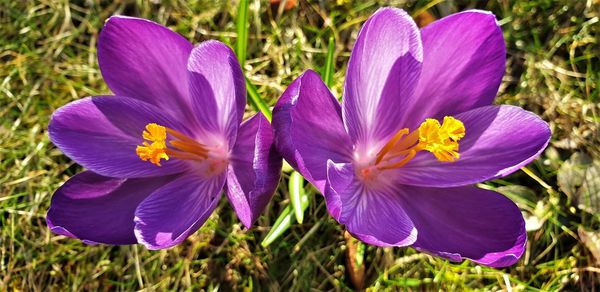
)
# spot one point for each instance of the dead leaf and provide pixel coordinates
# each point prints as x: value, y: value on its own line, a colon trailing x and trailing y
x: 355, y: 263
x: 579, y: 178
x: 289, y: 4
x: 591, y: 240
x: 424, y: 19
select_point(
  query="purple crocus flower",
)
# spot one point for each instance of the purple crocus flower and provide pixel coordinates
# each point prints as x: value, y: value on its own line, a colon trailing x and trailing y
x: 160, y: 151
x: 416, y: 128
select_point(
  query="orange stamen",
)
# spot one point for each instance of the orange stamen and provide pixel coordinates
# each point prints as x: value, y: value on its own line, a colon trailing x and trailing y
x: 439, y: 139
x: 390, y: 144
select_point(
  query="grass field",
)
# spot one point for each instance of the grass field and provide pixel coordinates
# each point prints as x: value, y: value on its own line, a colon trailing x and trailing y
x: 48, y: 58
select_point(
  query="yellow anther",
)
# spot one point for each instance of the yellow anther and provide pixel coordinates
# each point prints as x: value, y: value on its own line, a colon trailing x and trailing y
x: 429, y: 132
x: 442, y: 140
x: 446, y: 151
x: 154, y: 147
x: 152, y: 152
x: 155, y: 133
x: 453, y: 128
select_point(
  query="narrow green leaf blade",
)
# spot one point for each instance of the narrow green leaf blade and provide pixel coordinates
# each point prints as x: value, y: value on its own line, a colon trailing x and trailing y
x: 329, y: 68
x: 241, y: 45
x: 256, y: 101
x: 241, y: 25
x: 296, y: 189
x: 283, y: 223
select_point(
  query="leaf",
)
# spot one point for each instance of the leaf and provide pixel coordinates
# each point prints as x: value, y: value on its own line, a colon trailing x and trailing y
x: 355, y: 254
x: 257, y: 102
x: 520, y: 194
x: 241, y: 46
x: 572, y: 172
x: 289, y: 4
x: 424, y: 19
x: 241, y: 26
x: 296, y: 189
x: 579, y: 178
x: 589, y: 193
x: 329, y: 63
x: 591, y: 240
x: 283, y: 223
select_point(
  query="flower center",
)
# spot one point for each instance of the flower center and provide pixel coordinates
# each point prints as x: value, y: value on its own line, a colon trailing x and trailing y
x: 155, y: 147
x: 439, y: 139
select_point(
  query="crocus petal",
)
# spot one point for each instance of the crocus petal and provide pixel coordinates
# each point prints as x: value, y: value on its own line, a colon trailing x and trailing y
x: 308, y: 128
x: 217, y: 89
x: 99, y: 209
x: 175, y: 211
x: 373, y: 214
x: 254, y: 169
x: 101, y: 133
x: 382, y: 74
x: 463, y: 63
x: 141, y: 59
x: 499, y: 140
x: 466, y: 223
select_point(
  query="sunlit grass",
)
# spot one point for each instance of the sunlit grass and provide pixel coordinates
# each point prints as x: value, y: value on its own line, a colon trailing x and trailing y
x: 48, y: 58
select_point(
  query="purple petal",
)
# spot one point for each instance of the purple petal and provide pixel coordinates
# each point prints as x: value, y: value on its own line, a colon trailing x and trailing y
x: 499, y: 140
x: 383, y: 71
x: 175, y: 211
x: 101, y: 133
x: 308, y: 128
x: 463, y: 63
x: 254, y: 169
x: 147, y: 61
x: 466, y: 223
x: 99, y: 209
x: 217, y: 89
x: 371, y: 213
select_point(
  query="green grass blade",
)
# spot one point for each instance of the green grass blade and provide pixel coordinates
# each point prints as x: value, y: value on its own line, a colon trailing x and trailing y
x: 329, y: 63
x: 256, y: 101
x: 241, y: 45
x: 241, y: 26
x: 296, y: 188
x: 283, y: 222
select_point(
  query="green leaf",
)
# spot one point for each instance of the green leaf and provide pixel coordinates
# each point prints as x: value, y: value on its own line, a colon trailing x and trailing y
x: 296, y: 189
x: 241, y: 45
x: 241, y: 26
x: 329, y: 63
x: 257, y: 102
x: 283, y: 222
